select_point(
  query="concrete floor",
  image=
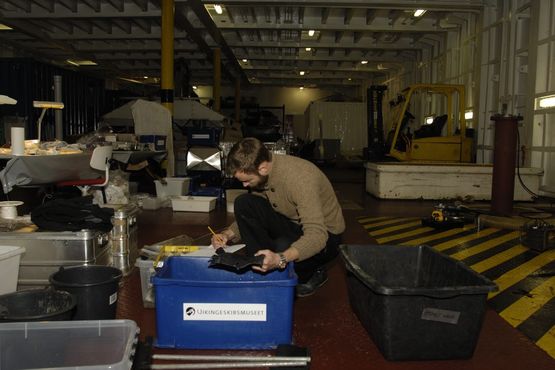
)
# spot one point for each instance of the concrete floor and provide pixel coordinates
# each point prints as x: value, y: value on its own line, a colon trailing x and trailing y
x: 325, y: 322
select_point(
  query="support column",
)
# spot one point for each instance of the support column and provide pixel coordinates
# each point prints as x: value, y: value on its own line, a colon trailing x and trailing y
x: 237, y: 101
x: 57, y: 112
x: 216, y: 90
x: 504, y: 160
x: 167, y: 80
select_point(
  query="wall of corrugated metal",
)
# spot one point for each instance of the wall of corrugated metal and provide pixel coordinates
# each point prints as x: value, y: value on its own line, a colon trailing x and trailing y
x: 26, y: 80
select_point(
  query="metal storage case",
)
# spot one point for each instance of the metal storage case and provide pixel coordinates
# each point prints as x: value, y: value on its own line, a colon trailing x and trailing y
x: 46, y: 251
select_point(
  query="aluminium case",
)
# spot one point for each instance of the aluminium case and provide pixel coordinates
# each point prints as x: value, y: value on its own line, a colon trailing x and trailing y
x: 46, y: 252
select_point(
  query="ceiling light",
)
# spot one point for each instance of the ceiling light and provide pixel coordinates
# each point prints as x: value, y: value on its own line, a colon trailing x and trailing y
x: 349, y: 79
x: 364, y: 62
x: 194, y: 87
x: 244, y: 60
x: 419, y: 12
x: 145, y: 77
x: 545, y: 102
x: 301, y: 73
x: 301, y: 88
x: 5, y: 27
x: 311, y: 33
x: 308, y: 49
x: 218, y: 9
x: 81, y: 62
x: 468, y: 115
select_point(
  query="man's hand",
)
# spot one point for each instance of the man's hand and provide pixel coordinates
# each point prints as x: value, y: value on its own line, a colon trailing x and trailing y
x: 271, y: 260
x: 219, y: 240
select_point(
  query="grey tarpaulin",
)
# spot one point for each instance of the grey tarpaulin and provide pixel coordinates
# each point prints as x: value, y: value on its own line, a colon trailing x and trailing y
x: 46, y: 169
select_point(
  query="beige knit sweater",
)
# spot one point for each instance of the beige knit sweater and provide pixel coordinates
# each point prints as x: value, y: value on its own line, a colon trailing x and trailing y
x: 297, y: 189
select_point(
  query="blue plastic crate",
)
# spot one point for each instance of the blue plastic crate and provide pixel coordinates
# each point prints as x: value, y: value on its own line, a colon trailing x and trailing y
x: 198, y: 307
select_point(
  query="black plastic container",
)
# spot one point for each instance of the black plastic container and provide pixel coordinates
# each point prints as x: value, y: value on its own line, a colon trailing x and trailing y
x: 37, y: 305
x: 416, y: 303
x: 96, y: 289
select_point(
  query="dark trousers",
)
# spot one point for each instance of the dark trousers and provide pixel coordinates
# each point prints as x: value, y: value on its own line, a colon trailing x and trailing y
x: 263, y: 228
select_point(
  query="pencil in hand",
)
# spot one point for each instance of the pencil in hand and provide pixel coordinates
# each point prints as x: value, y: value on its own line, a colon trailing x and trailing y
x: 216, y: 236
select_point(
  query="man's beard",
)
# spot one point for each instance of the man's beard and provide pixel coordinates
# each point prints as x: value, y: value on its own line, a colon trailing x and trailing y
x: 262, y: 184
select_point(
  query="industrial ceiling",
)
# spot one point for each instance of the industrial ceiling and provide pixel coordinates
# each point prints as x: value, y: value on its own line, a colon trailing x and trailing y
x: 314, y: 43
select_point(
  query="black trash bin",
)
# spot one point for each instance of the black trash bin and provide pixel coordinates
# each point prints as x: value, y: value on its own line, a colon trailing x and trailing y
x: 37, y: 305
x: 96, y: 289
x: 416, y: 303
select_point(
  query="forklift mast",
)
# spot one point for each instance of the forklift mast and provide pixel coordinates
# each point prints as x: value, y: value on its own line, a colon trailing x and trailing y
x: 376, y: 148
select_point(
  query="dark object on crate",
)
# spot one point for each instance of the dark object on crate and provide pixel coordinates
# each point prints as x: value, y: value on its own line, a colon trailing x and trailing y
x: 73, y: 214
x: 416, y: 303
x: 237, y: 262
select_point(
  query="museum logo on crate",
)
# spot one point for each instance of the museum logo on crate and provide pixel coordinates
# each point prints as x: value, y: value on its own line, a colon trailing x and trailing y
x: 224, y: 312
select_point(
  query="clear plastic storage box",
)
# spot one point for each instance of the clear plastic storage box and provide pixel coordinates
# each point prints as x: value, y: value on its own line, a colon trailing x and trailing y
x: 65, y: 345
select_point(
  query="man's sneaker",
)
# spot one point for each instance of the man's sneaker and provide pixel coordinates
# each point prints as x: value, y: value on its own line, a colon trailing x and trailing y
x: 317, y: 279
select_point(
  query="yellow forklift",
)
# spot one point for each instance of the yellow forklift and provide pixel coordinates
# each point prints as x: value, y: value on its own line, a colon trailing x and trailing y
x: 427, y: 124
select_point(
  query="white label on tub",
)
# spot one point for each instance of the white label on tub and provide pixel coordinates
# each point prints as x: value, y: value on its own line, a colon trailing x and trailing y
x: 113, y: 298
x: 435, y: 314
x: 224, y: 312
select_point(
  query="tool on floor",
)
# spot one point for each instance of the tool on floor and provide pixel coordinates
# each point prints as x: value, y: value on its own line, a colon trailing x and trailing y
x: 234, y: 261
x: 449, y: 216
x: 538, y: 234
x: 288, y: 357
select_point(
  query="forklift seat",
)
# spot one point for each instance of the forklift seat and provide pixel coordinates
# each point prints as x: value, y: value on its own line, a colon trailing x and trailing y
x: 433, y: 129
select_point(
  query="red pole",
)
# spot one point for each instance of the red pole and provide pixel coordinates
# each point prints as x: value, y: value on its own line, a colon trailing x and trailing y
x: 504, y: 160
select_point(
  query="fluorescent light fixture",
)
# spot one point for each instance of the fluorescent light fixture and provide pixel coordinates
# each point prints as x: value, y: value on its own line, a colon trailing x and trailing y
x: 311, y: 33
x: 218, y: 8
x: 363, y: 62
x: 81, y: 62
x: 244, y: 60
x: 419, y: 12
x: 45, y: 105
x: 429, y: 120
x: 48, y: 104
x: 468, y: 115
x: 301, y: 88
x: 301, y: 73
x: 308, y: 49
x: 5, y: 27
x: 545, y: 102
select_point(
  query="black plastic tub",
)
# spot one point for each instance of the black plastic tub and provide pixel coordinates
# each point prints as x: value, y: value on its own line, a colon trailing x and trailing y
x: 37, y: 305
x: 416, y: 303
x: 96, y: 289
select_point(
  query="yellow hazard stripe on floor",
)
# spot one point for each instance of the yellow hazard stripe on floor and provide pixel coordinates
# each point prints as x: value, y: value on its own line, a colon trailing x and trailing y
x: 513, y: 276
x: 482, y: 247
x: 407, y: 234
x: 440, y: 235
x: 499, y: 258
x: 530, y: 303
x: 388, y: 222
x: 390, y: 229
x: 364, y: 220
x: 547, y: 342
x: 459, y: 241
